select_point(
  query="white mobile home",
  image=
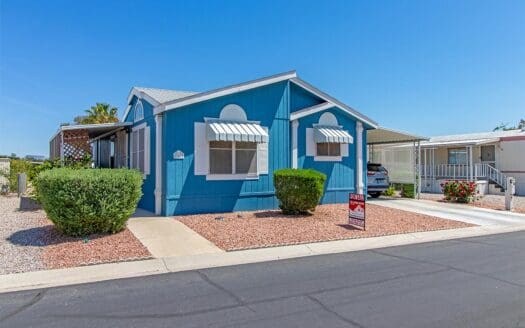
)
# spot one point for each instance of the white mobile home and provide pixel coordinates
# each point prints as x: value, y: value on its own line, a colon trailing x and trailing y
x: 487, y: 158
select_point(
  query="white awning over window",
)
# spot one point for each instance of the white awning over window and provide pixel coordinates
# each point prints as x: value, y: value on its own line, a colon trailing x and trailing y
x: 235, y: 131
x: 332, y: 135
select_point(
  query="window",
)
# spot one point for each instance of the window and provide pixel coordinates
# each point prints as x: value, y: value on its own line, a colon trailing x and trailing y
x: 138, y: 142
x: 328, y: 149
x: 139, y: 111
x: 228, y: 157
x: 246, y: 157
x: 221, y: 157
x: 457, y: 156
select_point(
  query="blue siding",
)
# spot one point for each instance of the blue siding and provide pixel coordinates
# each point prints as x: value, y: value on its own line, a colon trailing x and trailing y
x: 300, y: 98
x: 147, y: 200
x: 341, y: 176
x: 187, y: 193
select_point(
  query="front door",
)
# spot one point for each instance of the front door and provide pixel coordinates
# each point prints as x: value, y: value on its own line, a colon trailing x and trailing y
x: 488, y: 155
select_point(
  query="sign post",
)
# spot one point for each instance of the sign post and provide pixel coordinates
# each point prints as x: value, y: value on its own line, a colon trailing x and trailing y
x: 356, y: 211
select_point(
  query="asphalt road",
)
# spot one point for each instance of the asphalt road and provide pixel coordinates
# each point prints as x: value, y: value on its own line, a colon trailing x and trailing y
x: 475, y: 282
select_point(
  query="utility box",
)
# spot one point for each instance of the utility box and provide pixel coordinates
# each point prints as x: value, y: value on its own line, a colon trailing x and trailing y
x: 22, y: 184
x: 510, y: 190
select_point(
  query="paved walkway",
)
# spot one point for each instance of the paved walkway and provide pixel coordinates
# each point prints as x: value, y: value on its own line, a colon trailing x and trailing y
x: 166, y: 237
x: 458, y: 212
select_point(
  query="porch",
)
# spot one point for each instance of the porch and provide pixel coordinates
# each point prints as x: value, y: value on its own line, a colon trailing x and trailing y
x: 472, y: 160
x: 104, y: 144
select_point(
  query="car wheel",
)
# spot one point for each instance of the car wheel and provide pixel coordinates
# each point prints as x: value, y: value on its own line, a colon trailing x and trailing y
x: 375, y: 194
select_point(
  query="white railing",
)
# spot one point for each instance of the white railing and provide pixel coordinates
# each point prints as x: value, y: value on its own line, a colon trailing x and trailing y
x: 487, y: 171
x: 462, y: 171
x: 448, y: 171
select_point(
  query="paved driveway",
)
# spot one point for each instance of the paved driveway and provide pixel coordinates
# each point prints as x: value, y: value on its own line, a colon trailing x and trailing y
x: 458, y: 212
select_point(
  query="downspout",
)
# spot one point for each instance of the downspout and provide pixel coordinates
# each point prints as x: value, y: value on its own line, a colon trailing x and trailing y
x: 158, y: 163
x: 295, y: 125
x: 359, y: 157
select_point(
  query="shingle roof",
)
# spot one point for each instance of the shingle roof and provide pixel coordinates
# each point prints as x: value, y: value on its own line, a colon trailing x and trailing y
x: 165, y: 95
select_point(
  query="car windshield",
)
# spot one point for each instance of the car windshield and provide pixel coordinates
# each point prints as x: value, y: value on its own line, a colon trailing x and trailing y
x: 375, y: 168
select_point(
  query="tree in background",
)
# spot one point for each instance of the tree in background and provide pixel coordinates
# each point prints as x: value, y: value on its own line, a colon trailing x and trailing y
x: 100, y: 113
x: 506, y: 127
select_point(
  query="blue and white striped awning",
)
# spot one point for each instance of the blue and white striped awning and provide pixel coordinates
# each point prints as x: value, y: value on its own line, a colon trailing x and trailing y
x: 331, y: 134
x: 235, y: 131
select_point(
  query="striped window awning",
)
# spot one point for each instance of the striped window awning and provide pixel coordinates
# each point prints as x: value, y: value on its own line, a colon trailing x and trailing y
x: 332, y: 135
x: 235, y: 131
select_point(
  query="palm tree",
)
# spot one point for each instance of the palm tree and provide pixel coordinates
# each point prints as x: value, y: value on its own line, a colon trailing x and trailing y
x: 100, y: 113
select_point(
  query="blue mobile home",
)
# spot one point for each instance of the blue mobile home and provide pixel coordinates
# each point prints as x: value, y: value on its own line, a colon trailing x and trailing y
x: 216, y: 151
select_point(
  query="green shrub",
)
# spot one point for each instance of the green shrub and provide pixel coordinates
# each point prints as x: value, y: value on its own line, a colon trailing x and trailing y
x: 407, y: 190
x: 82, y: 202
x: 390, y: 191
x: 19, y: 166
x: 298, y: 190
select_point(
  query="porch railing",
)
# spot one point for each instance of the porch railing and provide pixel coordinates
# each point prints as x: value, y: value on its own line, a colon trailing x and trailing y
x: 487, y: 171
x: 448, y: 171
x: 462, y: 171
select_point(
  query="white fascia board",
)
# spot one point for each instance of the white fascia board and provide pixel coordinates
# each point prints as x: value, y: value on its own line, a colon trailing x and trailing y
x: 311, y: 110
x: 225, y: 91
x: 140, y: 95
x: 342, y: 106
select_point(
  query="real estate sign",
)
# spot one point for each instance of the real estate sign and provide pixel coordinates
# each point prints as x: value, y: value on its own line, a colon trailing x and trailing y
x: 356, y: 210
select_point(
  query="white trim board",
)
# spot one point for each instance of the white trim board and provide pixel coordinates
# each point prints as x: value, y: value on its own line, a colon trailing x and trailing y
x: 311, y: 110
x: 337, y: 103
x: 225, y: 91
x: 140, y: 95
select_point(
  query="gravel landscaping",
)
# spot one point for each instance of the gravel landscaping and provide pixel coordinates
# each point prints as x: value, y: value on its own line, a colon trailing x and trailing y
x: 495, y: 202
x: 29, y: 242
x: 243, y: 230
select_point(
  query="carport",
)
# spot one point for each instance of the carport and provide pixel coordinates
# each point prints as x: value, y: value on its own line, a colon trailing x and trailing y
x: 399, y: 152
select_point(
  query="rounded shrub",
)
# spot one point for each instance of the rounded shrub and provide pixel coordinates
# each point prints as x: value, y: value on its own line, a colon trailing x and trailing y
x: 82, y: 202
x: 298, y: 190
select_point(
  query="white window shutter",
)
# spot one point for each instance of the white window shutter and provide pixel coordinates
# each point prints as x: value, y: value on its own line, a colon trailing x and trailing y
x: 344, y: 150
x: 201, y: 151
x: 310, y: 143
x: 262, y: 156
x: 147, y: 152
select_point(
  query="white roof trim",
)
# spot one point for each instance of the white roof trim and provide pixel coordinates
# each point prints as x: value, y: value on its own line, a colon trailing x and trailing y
x: 453, y: 143
x: 337, y: 103
x: 141, y: 95
x: 311, y: 110
x: 225, y: 91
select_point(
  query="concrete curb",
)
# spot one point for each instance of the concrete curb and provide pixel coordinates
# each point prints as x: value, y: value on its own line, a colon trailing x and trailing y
x: 101, y: 272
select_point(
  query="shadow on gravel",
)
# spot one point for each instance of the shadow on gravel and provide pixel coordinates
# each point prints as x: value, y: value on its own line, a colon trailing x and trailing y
x: 44, y: 236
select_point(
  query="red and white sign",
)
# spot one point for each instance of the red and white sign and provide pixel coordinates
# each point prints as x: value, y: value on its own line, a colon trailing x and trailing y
x: 357, y: 210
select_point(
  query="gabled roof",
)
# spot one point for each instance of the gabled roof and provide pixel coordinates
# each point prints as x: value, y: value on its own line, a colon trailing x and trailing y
x: 349, y: 110
x: 165, y: 95
x: 472, y: 138
x: 165, y: 100
x: 155, y: 96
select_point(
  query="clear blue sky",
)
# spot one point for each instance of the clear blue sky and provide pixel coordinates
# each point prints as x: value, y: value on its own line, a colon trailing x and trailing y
x: 427, y: 67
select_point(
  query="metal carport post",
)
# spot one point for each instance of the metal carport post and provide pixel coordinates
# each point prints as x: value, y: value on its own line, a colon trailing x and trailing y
x: 388, y: 136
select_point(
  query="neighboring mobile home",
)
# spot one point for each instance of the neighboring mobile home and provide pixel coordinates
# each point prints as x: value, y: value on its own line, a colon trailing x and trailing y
x: 216, y: 151
x: 487, y: 158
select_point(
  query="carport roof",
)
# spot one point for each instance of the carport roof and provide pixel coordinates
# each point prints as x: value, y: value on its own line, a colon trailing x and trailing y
x: 94, y: 130
x: 383, y: 135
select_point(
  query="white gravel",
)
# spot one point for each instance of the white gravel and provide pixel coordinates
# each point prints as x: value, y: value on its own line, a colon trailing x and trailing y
x: 21, y: 237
